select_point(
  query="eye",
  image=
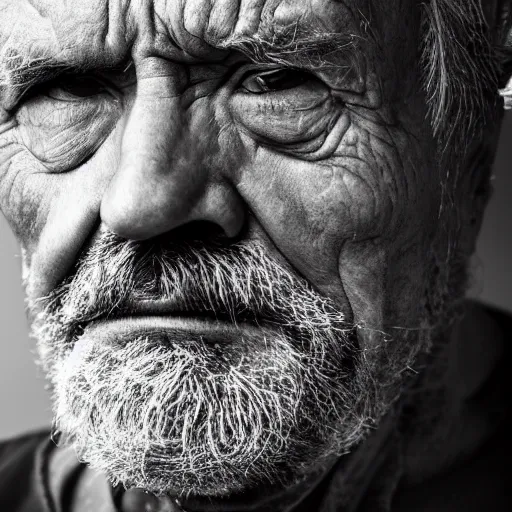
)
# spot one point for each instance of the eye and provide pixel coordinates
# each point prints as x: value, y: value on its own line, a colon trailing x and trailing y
x: 274, y: 80
x: 76, y: 88
x: 64, y: 122
x: 285, y: 108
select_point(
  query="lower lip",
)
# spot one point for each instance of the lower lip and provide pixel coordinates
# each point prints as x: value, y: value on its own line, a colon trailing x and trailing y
x: 213, y: 331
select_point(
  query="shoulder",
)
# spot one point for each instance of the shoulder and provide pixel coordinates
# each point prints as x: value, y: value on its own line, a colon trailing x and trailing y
x: 13, y: 448
x: 18, y: 461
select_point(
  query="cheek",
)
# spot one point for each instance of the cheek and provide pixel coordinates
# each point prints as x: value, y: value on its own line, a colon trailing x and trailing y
x: 20, y: 197
x: 52, y: 214
x: 371, y: 189
x: 319, y: 205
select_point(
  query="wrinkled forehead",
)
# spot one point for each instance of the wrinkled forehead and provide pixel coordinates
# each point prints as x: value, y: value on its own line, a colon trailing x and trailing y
x: 107, y: 30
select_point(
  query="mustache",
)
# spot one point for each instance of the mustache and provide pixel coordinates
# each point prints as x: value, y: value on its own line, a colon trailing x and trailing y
x: 239, y: 282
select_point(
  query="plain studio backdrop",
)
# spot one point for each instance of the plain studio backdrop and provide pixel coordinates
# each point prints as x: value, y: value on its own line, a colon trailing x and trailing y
x: 24, y: 403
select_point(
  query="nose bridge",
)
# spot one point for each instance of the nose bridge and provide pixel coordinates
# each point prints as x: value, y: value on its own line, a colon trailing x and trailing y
x: 163, y: 180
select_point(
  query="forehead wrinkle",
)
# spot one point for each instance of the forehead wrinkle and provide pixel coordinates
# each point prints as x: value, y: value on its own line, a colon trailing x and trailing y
x: 294, y: 32
x: 92, y: 29
x: 93, y: 32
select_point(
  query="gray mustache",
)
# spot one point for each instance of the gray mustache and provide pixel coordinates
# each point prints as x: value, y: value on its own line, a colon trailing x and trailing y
x: 239, y: 282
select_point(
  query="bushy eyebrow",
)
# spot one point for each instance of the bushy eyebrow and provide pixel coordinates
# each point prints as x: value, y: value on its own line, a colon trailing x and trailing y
x: 20, y: 70
x: 291, y: 48
x: 28, y: 71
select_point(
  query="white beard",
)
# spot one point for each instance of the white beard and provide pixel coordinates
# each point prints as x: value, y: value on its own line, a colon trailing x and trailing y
x: 178, y: 415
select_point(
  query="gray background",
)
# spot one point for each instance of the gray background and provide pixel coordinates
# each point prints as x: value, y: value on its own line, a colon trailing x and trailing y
x: 24, y: 404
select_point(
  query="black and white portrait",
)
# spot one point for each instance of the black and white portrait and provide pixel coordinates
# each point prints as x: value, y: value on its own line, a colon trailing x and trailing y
x: 246, y: 235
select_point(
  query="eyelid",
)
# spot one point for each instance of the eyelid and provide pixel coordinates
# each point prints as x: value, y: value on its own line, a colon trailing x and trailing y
x: 60, y: 84
x: 289, y: 71
x: 41, y: 89
x: 267, y: 69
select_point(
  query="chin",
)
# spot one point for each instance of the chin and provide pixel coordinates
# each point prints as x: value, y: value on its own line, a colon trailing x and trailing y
x: 199, y: 409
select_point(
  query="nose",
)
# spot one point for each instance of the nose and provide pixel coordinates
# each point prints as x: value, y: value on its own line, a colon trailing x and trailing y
x: 169, y: 173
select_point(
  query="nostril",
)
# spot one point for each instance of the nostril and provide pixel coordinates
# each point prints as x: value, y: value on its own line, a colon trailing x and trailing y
x: 196, y: 231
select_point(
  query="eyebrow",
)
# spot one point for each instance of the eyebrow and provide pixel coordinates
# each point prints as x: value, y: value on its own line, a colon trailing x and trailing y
x: 21, y: 71
x: 291, y: 48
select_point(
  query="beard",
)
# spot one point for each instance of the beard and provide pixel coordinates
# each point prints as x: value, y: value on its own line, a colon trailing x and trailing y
x: 181, y: 414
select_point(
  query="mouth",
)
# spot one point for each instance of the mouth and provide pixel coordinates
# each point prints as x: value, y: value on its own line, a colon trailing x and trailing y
x: 162, y: 319
x: 164, y: 307
x: 188, y: 329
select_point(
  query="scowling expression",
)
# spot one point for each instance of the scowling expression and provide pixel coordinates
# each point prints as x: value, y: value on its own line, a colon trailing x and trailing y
x: 238, y: 231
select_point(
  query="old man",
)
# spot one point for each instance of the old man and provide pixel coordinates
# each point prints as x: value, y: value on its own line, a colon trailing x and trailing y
x: 245, y: 229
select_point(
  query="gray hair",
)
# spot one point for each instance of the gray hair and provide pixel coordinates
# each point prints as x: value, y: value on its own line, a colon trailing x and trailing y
x: 461, y: 70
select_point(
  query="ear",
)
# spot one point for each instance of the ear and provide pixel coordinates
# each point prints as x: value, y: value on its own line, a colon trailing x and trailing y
x: 503, y: 42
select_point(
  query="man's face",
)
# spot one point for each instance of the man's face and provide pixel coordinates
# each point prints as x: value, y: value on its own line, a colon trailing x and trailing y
x: 228, y: 211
